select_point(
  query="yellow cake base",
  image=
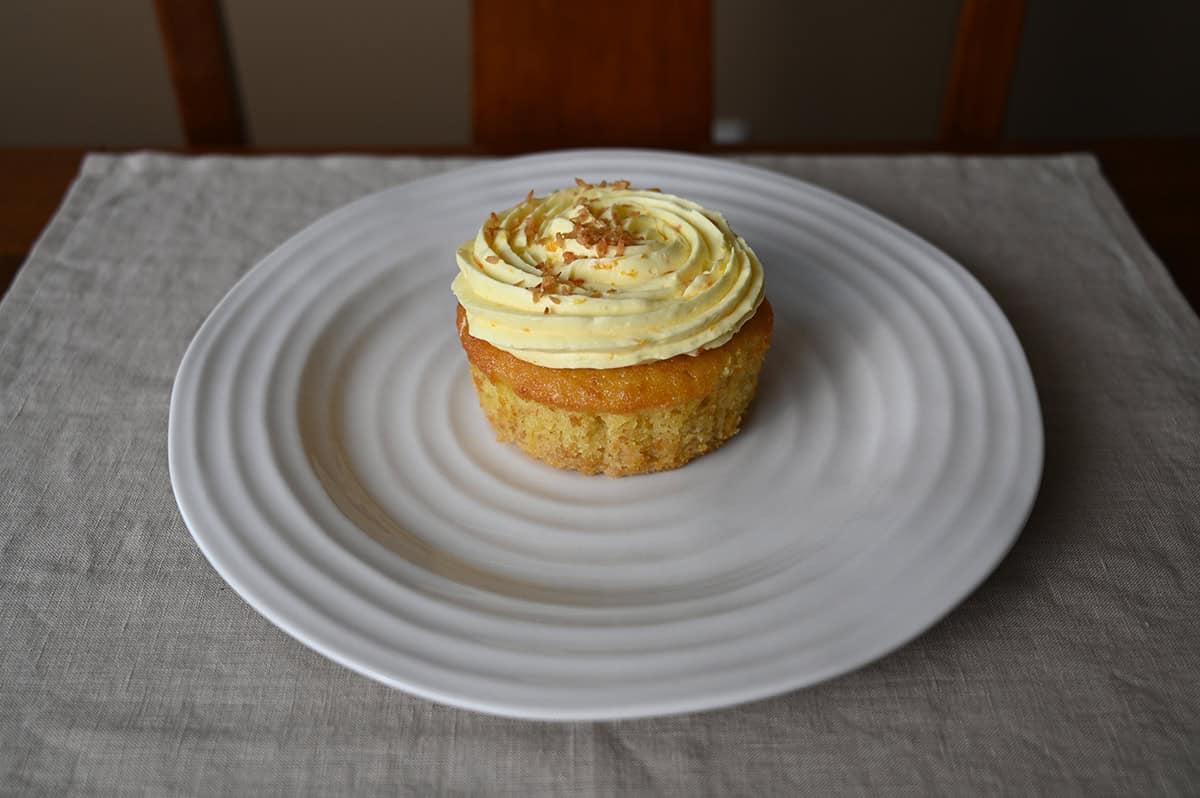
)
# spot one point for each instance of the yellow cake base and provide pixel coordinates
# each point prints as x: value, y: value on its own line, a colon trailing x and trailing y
x: 630, y: 423
x: 617, y: 444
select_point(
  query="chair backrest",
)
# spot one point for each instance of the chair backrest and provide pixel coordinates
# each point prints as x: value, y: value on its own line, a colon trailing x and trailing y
x: 551, y: 74
x: 201, y: 72
x: 621, y: 72
x: 985, y: 55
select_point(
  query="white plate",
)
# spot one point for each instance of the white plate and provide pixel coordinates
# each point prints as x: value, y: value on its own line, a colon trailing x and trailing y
x: 330, y: 459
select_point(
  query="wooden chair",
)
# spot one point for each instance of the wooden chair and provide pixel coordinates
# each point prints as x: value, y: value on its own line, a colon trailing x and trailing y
x: 649, y: 84
x: 194, y: 39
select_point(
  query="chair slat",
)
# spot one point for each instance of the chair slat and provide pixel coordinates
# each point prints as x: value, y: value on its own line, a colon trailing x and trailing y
x: 619, y: 72
x: 205, y: 92
x: 981, y: 71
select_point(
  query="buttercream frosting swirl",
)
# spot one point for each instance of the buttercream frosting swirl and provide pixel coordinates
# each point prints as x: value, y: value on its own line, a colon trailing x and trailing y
x: 604, y: 276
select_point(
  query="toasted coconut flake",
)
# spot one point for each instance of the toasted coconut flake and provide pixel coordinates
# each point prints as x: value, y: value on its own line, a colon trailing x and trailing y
x: 601, y: 234
x: 492, y: 259
x: 568, y: 257
x: 492, y: 226
x: 551, y: 283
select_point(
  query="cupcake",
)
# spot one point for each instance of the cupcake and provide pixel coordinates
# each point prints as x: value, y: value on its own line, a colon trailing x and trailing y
x: 610, y: 329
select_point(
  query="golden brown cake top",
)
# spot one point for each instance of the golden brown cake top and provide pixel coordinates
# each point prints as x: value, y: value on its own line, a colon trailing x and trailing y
x: 606, y: 275
x: 629, y: 389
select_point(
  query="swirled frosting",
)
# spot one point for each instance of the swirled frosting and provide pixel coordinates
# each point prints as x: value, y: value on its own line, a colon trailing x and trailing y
x: 603, y: 276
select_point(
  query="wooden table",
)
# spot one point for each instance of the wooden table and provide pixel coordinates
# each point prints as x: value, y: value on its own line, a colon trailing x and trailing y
x: 1159, y: 182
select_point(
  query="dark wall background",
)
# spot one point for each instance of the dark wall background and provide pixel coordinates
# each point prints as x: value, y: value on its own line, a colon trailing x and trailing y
x: 380, y: 72
x: 1107, y: 68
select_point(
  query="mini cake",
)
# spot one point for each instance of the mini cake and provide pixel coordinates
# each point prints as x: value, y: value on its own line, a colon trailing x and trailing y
x: 611, y: 329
